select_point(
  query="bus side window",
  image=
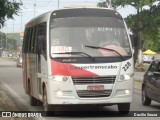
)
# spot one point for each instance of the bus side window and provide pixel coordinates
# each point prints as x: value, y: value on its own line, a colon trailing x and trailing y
x: 41, y: 40
x: 33, y: 40
x: 36, y: 38
x: 26, y: 41
x: 30, y: 40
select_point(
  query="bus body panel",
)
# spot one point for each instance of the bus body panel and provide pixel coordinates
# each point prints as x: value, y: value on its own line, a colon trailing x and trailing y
x: 71, y: 97
x: 70, y: 83
x: 69, y: 90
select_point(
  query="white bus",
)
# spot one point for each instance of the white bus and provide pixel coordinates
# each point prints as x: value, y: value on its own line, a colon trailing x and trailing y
x: 80, y: 56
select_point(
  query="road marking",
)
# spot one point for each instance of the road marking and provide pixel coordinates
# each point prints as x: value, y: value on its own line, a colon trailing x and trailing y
x: 13, y: 93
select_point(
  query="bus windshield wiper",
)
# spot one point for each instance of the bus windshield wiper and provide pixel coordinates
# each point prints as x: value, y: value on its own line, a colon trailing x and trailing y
x: 94, y: 47
x: 83, y: 53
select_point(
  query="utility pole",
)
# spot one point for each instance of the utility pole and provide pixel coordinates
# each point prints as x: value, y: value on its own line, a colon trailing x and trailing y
x: 110, y: 4
x: 34, y: 8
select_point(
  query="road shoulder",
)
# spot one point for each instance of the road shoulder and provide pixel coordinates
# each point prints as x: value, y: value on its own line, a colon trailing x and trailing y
x: 7, y: 103
x: 137, y: 85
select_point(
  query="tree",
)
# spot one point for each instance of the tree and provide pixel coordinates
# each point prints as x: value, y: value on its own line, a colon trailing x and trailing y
x: 2, y: 40
x: 7, y: 9
x: 150, y: 27
x: 140, y: 20
x: 104, y: 4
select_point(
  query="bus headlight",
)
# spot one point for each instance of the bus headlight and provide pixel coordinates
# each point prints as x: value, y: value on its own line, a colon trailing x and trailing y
x: 61, y: 78
x: 126, y: 77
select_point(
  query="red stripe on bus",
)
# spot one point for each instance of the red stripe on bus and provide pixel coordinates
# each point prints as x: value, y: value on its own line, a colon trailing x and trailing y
x: 65, y: 69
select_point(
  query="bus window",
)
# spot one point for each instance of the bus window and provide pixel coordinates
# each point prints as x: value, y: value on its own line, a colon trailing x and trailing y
x: 30, y: 39
x: 35, y: 42
x: 26, y: 43
x: 41, y: 39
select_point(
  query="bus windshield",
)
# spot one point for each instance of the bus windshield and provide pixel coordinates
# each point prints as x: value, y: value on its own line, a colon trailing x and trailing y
x: 73, y: 34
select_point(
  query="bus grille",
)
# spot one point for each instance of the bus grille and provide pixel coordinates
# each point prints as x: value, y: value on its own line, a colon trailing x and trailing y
x: 93, y: 80
x: 90, y: 94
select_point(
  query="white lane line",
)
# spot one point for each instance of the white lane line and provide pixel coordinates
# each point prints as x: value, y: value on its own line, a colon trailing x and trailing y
x: 21, y: 100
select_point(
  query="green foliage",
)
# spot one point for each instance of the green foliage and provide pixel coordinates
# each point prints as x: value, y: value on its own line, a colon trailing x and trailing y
x: 149, y: 24
x: 9, y: 41
x: 2, y: 40
x: 135, y: 3
x: 146, y: 23
x: 7, y: 9
x: 106, y: 4
x: 103, y: 4
x: 12, y: 40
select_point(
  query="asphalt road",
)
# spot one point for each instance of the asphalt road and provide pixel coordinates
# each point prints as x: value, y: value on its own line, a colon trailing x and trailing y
x: 11, y: 78
x: 138, y: 75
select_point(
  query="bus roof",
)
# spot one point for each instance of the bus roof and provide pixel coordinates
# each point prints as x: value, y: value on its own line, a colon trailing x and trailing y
x: 74, y: 12
x: 39, y: 19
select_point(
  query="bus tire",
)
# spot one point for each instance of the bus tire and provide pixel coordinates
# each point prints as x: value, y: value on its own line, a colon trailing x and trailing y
x: 47, y: 108
x: 123, y: 108
x: 33, y: 101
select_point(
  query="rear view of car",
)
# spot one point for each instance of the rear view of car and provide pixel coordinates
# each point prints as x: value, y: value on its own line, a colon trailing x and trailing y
x: 19, y: 60
x: 151, y: 84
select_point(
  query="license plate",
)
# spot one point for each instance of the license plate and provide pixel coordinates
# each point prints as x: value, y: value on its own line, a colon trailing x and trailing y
x: 95, y: 88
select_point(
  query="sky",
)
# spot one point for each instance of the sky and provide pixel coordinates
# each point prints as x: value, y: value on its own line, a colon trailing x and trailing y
x: 33, y: 8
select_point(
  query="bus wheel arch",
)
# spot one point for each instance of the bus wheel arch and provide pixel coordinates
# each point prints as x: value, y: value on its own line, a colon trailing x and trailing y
x: 33, y: 101
x: 47, y: 107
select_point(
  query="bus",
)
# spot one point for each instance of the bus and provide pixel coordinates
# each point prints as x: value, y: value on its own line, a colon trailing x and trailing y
x: 78, y: 56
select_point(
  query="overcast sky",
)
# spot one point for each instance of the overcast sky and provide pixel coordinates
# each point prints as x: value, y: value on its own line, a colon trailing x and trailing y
x: 33, y: 8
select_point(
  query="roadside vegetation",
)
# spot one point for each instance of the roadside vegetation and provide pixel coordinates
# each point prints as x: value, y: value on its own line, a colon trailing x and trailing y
x: 144, y: 23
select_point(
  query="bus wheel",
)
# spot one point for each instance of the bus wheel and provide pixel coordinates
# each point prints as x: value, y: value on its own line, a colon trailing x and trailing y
x: 124, y: 108
x: 47, y: 108
x: 33, y: 101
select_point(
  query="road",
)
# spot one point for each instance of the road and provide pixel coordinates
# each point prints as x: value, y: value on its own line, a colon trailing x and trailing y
x: 138, y: 75
x: 11, y: 78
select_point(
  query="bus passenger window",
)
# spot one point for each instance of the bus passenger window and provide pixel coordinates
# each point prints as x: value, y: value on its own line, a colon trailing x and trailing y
x: 41, y: 39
